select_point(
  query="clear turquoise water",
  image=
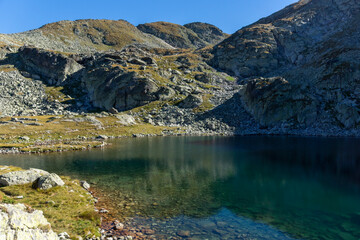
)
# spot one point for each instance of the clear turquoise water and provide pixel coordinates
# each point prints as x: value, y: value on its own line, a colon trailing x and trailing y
x: 225, y: 187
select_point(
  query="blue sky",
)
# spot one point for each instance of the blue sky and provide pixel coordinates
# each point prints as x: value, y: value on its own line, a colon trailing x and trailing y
x: 229, y: 15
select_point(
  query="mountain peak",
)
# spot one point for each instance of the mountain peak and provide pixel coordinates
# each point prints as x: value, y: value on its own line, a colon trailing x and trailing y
x: 192, y: 35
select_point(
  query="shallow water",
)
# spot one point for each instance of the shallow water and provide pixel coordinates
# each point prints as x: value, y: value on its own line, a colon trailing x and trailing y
x: 225, y: 187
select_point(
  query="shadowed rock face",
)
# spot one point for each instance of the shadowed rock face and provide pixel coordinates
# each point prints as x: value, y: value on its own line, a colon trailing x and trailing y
x: 53, y: 67
x: 311, y: 44
x: 272, y: 100
x: 110, y: 85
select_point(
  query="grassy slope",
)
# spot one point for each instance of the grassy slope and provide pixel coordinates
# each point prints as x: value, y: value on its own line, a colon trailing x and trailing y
x: 99, y: 34
x: 61, y: 134
x: 171, y: 29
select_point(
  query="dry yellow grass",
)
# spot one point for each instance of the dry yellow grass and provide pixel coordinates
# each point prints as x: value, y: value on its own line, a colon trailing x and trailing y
x: 7, y: 68
x: 167, y: 28
x: 62, y: 134
x: 100, y: 34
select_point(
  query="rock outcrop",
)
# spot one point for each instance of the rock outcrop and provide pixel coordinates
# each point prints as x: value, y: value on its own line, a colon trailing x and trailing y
x: 19, y: 223
x: 289, y: 38
x: 54, y: 68
x: 121, y: 89
x: 126, y: 120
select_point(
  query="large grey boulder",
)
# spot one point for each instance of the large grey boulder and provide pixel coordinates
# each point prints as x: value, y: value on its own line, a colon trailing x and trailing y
x: 48, y: 181
x: 126, y: 119
x: 21, y: 177
x: 18, y: 223
x: 191, y: 101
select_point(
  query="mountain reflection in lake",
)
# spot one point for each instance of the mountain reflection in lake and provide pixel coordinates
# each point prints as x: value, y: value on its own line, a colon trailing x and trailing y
x: 303, y: 187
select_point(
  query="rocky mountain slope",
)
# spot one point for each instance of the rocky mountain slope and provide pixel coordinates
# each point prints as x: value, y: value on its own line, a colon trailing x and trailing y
x: 308, y: 57
x: 83, y: 36
x: 192, y: 35
x: 294, y: 72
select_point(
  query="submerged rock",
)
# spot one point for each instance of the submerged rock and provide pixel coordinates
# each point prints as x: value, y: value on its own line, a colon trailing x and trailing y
x: 21, y: 177
x: 183, y: 233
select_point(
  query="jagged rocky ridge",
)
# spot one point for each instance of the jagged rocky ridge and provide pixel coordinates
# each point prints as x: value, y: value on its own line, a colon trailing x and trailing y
x: 299, y: 65
x: 294, y: 72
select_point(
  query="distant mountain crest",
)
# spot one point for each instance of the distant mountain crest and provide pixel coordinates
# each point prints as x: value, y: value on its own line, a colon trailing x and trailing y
x: 89, y: 35
x: 192, y: 35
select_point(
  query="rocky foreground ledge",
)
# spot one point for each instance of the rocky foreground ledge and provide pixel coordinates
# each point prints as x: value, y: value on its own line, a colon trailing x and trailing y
x: 35, y: 204
x: 20, y: 222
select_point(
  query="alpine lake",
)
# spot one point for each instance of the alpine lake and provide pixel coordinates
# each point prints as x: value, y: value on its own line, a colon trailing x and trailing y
x: 254, y: 187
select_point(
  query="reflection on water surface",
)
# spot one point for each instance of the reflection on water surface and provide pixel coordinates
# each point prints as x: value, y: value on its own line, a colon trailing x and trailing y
x: 240, y: 187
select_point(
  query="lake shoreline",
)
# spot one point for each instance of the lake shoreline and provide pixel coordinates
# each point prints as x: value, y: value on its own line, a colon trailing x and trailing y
x: 47, y: 134
x: 103, y: 141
